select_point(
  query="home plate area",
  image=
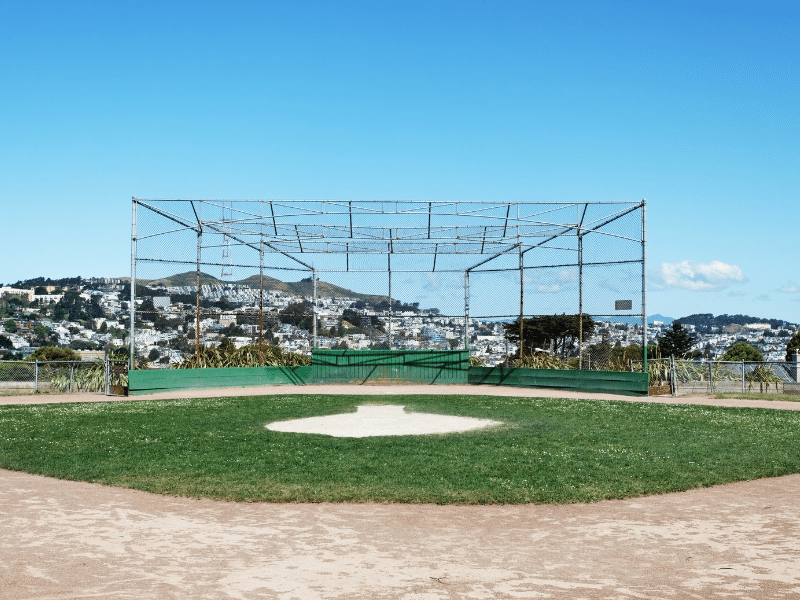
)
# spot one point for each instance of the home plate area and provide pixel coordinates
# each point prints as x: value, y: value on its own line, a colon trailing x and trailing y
x: 374, y: 420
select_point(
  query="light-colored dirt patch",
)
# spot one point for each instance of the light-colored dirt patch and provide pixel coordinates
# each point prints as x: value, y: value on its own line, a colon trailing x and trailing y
x: 61, y: 539
x: 386, y: 419
x: 399, y: 390
x: 70, y: 540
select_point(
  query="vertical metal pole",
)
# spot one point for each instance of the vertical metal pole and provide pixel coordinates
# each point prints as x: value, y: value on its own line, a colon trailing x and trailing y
x: 71, y: 377
x: 673, y: 377
x: 466, y: 310
x: 108, y: 376
x: 580, y: 302
x: 36, y: 376
x: 711, y: 375
x: 389, y: 257
x: 644, y: 285
x: 132, y: 360
x: 521, y: 297
x: 314, y: 307
x: 197, y: 306
x: 261, y: 297
x: 742, y: 375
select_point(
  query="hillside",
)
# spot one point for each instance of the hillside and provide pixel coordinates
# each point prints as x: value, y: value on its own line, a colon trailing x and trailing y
x: 708, y: 320
x: 183, y: 279
x: 304, y: 287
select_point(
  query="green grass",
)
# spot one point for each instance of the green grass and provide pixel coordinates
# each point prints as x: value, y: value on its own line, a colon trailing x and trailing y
x: 547, y: 450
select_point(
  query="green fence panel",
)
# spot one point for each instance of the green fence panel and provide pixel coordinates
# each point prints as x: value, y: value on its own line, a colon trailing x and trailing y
x: 379, y: 366
x: 612, y: 382
x: 163, y: 380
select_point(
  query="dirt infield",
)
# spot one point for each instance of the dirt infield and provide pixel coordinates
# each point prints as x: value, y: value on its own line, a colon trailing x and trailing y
x: 61, y: 539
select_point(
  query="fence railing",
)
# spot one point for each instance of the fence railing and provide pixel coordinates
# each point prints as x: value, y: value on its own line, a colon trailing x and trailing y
x: 681, y: 377
x: 109, y: 377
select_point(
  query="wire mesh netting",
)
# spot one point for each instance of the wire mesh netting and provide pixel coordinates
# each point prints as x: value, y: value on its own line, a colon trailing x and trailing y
x: 63, y: 377
x: 378, y: 274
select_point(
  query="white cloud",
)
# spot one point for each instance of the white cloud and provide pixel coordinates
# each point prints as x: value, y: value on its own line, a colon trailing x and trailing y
x: 549, y: 289
x: 700, y: 277
x: 434, y: 282
x: 790, y: 288
x: 571, y: 275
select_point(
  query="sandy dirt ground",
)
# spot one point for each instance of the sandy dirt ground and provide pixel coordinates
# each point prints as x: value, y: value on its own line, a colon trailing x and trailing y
x: 61, y: 539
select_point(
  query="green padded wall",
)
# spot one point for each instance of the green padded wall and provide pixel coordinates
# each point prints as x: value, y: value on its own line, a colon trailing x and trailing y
x: 376, y: 366
x: 611, y: 382
x: 163, y: 380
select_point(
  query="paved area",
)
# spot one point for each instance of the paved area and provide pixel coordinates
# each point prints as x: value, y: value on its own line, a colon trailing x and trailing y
x: 61, y: 539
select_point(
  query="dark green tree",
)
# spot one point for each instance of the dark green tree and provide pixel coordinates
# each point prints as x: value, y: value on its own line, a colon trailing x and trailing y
x: 11, y: 326
x: 82, y: 345
x: 793, y: 346
x: 560, y: 331
x: 298, y: 314
x: 743, y: 351
x: 54, y: 353
x: 677, y: 342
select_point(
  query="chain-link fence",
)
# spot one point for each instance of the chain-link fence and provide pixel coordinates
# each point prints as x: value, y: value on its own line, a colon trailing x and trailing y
x: 64, y: 377
x: 306, y: 274
x: 684, y: 377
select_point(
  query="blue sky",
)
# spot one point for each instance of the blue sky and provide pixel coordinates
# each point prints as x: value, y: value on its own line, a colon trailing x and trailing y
x: 692, y: 105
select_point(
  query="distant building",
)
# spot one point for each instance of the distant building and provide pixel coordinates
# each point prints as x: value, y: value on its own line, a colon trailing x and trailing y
x: 17, y: 292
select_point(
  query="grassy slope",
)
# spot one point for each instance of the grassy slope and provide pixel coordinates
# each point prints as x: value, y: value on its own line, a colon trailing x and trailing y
x: 299, y: 288
x: 548, y: 451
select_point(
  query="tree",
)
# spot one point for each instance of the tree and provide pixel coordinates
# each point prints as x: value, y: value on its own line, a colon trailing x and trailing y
x: 54, y: 353
x: 743, y: 351
x: 5, y: 342
x: 153, y: 355
x: 298, y: 314
x: 677, y: 342
x: 11, y: 326
x: 70, y: 307
x: 560, y: 331
x: 82, y: 345
x: 793, y: 346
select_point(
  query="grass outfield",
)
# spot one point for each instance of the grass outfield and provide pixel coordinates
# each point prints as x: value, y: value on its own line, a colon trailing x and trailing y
x: 547, y: 451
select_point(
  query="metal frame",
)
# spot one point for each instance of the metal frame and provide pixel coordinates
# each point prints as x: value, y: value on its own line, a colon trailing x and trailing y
x: 443, y: 234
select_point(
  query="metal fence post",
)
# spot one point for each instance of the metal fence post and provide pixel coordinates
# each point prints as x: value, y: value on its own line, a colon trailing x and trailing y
x: 644, y: 284
x: 466, y: 310
x: 314, y: 307
x: 580, y: 302
x: 521, y: 298
x: 133, y: 286
x: 742, y: 376
x: 673, y: 376
x: 36, y: 376
x: 711, y: 375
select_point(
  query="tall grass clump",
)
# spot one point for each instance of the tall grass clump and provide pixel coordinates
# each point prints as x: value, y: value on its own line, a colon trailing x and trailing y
x: 228, y: 356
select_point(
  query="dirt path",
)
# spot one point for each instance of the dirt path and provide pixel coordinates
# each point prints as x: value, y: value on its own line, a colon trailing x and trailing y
x: 386, y: 390
x: 61, y: 539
